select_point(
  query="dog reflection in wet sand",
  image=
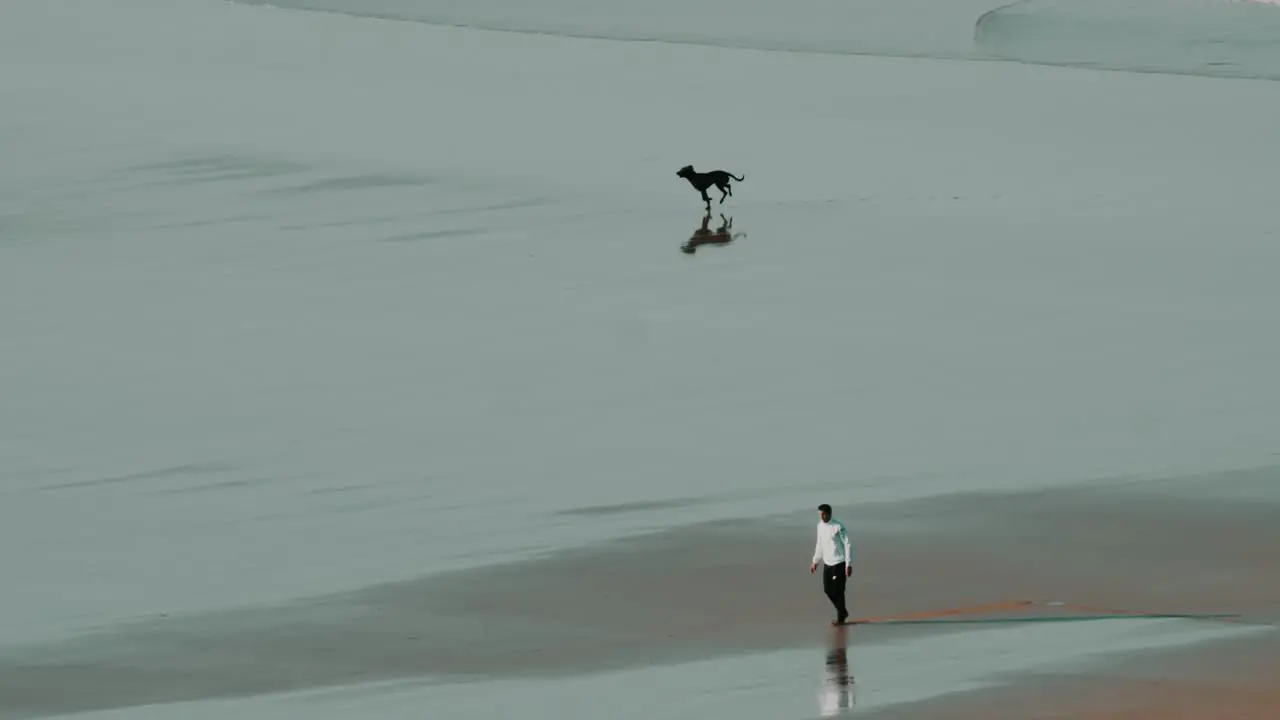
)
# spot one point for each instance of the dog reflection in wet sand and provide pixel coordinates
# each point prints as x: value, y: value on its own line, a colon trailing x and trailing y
x: 705, y: 236
x: 837, y: 694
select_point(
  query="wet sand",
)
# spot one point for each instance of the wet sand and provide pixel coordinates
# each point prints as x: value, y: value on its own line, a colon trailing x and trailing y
x: 923, y: 568
x: 1232, y: 679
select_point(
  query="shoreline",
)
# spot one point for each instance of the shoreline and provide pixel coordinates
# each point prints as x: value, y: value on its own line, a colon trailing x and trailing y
x: 716, y: 590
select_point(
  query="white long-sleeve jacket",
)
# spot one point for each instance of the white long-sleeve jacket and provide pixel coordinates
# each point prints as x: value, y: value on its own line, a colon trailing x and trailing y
x: 833, y: 543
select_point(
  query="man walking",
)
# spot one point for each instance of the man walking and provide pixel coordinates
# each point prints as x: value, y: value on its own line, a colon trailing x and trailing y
x: 832, y: 550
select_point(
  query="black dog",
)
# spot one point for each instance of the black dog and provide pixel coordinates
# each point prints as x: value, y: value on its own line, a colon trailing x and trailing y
x: 702, y: 181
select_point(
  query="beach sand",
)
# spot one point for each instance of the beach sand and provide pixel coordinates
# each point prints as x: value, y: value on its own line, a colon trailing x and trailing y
x: 311, y: 319
x: 923, y: 568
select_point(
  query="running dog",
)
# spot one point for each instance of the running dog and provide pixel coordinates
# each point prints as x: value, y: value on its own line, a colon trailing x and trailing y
x: 702, y: 181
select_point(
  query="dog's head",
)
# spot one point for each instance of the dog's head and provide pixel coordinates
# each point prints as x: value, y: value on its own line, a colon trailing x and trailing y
x: 686, y: 171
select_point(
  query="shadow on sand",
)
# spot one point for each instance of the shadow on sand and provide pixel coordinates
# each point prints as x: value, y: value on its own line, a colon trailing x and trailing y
x: 722, y: 235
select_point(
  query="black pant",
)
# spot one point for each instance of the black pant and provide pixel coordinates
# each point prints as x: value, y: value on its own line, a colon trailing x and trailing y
x: 833, y: 578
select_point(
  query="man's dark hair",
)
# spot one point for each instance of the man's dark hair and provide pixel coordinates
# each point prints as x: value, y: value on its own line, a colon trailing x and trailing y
x: 824, y: 508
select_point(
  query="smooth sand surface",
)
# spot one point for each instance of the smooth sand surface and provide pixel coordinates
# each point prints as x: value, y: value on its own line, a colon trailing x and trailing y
x: 256, y: 356
x: 718, y: 590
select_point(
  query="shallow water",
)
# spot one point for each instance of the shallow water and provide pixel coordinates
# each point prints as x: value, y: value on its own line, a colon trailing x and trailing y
x: 1193, y: 37
x: 834, y: 680
x: 1224, y: 38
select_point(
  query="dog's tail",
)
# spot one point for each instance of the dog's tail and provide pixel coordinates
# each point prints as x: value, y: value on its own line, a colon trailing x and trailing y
x: 735, y: 177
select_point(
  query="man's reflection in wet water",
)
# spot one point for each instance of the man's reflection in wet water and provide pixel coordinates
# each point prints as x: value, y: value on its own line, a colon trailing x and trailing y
x: 837, y: 693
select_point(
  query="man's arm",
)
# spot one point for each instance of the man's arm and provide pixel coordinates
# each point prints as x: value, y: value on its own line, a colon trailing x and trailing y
x: 817, y: 552
x: 848, y: 550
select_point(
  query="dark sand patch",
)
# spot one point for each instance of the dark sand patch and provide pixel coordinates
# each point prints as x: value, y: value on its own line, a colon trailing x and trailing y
x: 216, y: 168
x: 166, y: 474
x: 635, y: 507
x: 436, y: 234
x: 355, y: 182
x: 696, y: 592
